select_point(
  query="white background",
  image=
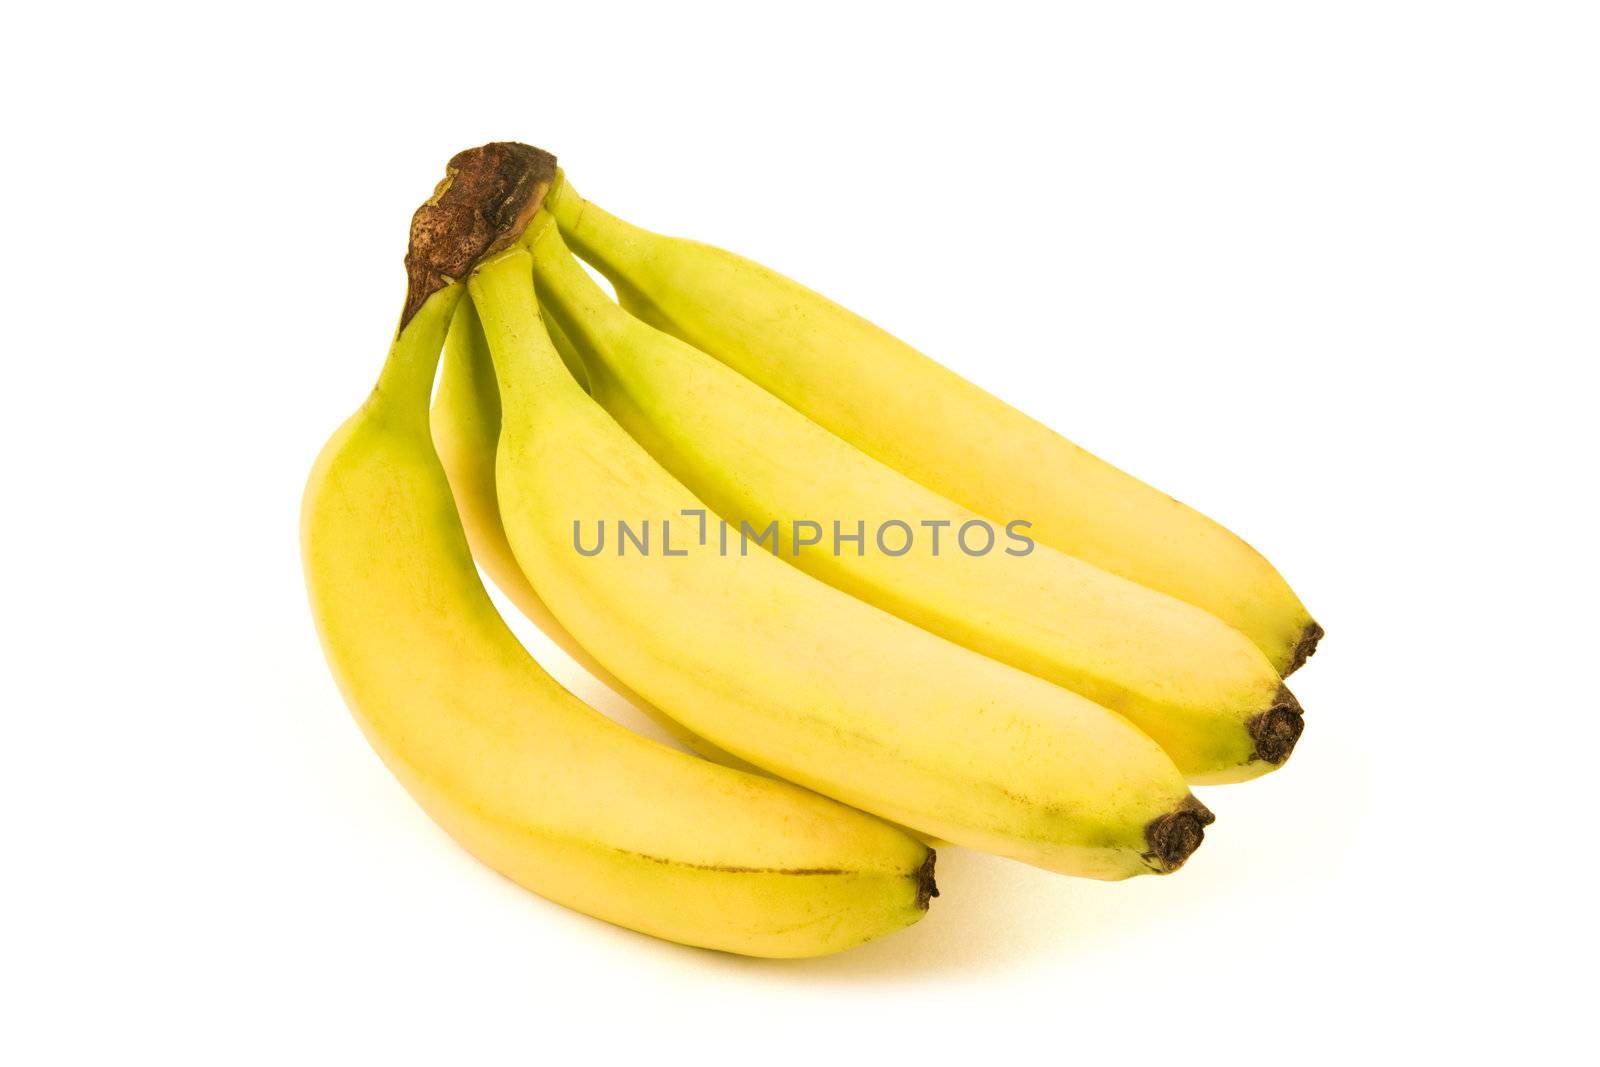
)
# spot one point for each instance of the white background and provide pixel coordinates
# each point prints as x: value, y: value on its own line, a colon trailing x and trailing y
x: 1329, y: 272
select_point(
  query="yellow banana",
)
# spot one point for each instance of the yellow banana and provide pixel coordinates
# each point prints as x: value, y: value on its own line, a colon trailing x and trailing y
x: 528, y: 778
x: 791, y: 674
x: 466, y: 426
x: 1189, y: 680
x: 466, y: 430
x: 912, y: 414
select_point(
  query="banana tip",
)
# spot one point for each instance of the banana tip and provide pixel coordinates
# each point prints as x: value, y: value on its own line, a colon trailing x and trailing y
x: 927, y: 888
x: 1172, y: 838
x: 1304, y: 648
x: 1276, y: 730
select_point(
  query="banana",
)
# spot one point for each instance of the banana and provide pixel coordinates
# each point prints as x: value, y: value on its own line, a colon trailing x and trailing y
x: 466, y: 430
x: 466, y: 425
x: 1189, y: 680
x: 912, y: 414
x: 790, y: 674
x: 524, y: 775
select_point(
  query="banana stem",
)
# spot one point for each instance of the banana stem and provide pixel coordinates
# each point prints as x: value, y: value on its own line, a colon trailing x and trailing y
x: 527, y: 366
x: 406, y: 382
x: 565, y: 205
x: 581, y: 309
x: 564, y: 347
x: 594, y: 233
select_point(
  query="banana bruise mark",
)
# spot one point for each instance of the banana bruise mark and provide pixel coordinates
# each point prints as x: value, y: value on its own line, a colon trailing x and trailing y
x: 1173, y: 837
x: 1276, y: 730
x: 486, y: 199
x: 1305, y: 648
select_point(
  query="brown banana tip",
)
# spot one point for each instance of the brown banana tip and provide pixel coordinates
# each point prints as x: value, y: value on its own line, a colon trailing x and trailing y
x: 487, y: 198
x: 927, y: 888
x: 1276, y: 730
x: 1305, y: 648
x: 1173, y: 837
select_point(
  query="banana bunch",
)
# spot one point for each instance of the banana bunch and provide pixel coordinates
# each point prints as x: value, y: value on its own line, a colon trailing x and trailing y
x: 886, y: 608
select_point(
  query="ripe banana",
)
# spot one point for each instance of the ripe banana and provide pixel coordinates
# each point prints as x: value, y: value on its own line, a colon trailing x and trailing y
x: 466, y: 426
x: 914, y: 415
x: 466, y: 431
x: 528, y: 778
x: 793, y: 675
x: 1189, y: 680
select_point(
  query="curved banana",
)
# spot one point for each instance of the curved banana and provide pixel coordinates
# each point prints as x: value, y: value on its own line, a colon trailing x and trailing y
x: 791, y: 674
x: 466, y: 430
x: 1183, y: 676
x: 528, y: 778
x: 927, y: 422
x: 466, y: 425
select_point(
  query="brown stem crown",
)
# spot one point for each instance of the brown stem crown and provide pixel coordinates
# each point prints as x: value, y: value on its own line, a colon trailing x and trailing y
x: 485, y: 201
x: 1173, y: 837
